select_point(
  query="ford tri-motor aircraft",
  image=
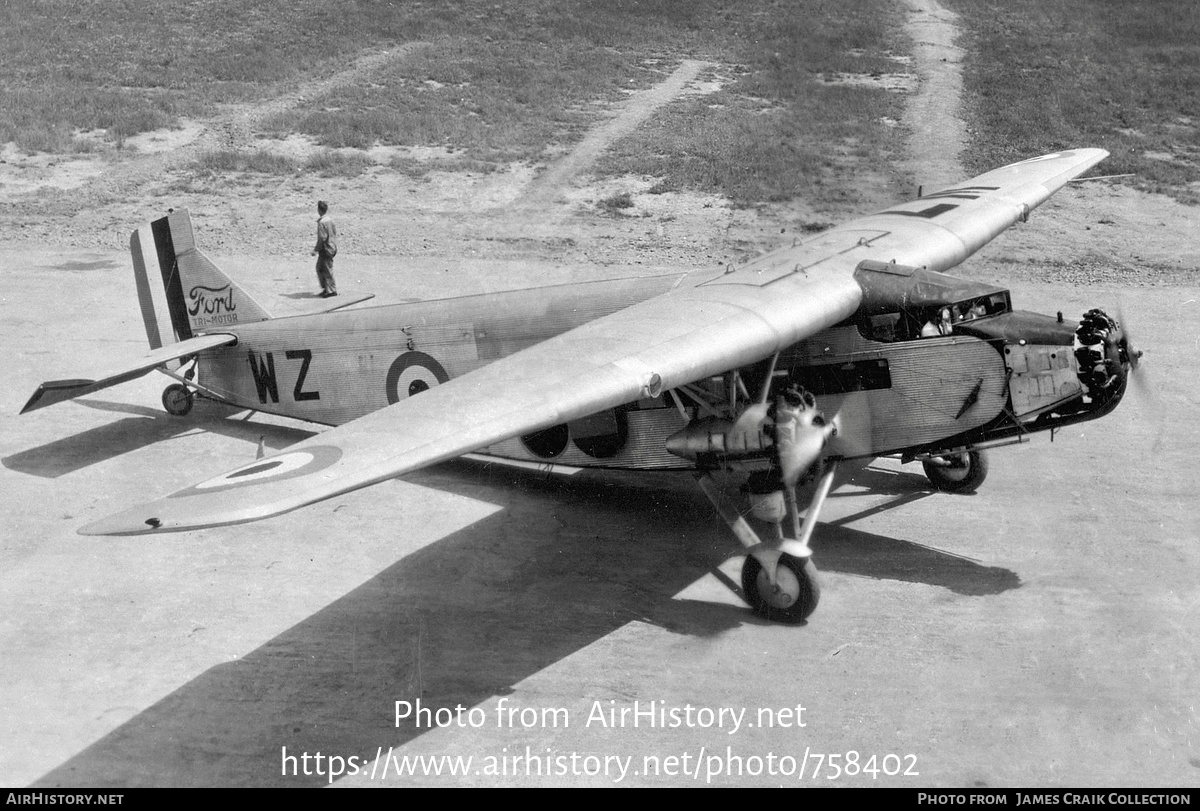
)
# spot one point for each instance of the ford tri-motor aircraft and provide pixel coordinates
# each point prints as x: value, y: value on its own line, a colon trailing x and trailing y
x: 848, y: 346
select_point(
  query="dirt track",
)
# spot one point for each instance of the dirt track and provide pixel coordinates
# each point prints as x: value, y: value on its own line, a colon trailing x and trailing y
x: 1039, y: 633
x: 549, y: 215
x: 932, y: 116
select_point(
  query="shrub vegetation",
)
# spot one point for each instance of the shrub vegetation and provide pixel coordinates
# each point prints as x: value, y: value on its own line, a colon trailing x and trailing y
x: 499, y: 80
x: 515, y: 80
x: 1042, y: 76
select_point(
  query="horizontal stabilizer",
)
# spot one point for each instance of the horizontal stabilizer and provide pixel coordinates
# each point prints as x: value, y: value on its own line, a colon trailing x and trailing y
x: 56, y: 391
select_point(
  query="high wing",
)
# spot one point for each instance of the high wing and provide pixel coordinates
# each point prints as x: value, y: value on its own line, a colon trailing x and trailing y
x: 57, y: 391
x: 712, y: 322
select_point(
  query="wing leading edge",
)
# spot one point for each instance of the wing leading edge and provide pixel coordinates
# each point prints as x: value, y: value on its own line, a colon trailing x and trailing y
x: 711, y: 323
x: 662, y: 343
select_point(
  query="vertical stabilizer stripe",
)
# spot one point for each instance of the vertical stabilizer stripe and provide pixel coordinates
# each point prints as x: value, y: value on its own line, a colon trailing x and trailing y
x: 158, y: 295
x: 171, y: 281
x: 144, y: 289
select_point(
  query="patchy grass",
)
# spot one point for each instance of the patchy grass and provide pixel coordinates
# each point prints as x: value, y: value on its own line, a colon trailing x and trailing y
x: 260, y: 161
x: 499, y: 101
x: 325, y: 163
x: 773, y: 131
x: 499, y: 80
x: 505, y: 80
x: 419, y: 167
x: 764, y: 137
x: 130, y: 66
x: 1042, y: 76
x: 616, y: 202
x: 46, y: 120
x: 750, y: 156
x: 332, y: 163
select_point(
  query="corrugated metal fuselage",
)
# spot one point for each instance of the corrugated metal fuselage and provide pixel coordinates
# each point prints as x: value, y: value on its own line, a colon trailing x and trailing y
x: 335, y: 367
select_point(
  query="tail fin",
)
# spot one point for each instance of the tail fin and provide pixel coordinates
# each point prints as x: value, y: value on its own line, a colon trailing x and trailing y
x: 188, y: 294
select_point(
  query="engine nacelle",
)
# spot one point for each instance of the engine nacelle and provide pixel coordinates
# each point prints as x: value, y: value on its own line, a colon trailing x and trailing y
x: 789, y: 434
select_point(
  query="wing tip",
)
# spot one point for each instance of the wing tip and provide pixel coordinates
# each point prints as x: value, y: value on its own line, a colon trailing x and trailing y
x: 56, y: 391
x: 161, y: 517
x: 143, y: 520
x: 119, y: 525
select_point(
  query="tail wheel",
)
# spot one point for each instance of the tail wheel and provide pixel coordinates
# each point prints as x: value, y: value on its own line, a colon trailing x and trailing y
x: 795, y: 593
x: 177, y: 399
x: 959, y: 472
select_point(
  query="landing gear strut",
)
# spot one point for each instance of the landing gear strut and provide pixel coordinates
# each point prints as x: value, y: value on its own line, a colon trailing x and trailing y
x: 783, y: 443
x: 779, y: 580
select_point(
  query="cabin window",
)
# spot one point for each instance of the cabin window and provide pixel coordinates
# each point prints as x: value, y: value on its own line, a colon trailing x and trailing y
x: 602, y: 435
x: 842, y: 378
x: 891, y: 327
x: 884, y: 327
x: 548, y: 443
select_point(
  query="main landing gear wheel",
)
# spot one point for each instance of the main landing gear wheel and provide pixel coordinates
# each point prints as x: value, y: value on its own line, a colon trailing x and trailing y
x: 957, y: 473
x: 795, y: 593
x: 177, y: 399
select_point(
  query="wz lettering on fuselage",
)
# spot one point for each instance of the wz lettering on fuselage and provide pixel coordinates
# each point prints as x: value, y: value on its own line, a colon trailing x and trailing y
x: 262, y: 368
x: 212, y: 305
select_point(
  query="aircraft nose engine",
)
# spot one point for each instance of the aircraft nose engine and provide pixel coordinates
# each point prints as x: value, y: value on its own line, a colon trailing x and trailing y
x: 1104, y: 356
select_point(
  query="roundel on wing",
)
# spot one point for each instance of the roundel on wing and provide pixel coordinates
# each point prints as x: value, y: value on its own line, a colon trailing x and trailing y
x: 413, y: 373
x: 285, y: 465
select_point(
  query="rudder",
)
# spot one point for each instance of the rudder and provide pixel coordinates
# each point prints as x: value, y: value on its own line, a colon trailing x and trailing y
x: 189, y: 294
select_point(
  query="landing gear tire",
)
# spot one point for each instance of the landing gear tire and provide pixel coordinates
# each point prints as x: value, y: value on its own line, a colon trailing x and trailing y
x: 177, y: 399
x: 959, y: 473
x: 795, y: 594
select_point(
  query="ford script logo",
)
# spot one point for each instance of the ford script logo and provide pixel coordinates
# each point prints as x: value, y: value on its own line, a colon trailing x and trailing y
x: 211, y: 300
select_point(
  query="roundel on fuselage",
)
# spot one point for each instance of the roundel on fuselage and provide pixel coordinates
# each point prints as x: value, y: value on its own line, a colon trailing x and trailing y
x: 413, y: 373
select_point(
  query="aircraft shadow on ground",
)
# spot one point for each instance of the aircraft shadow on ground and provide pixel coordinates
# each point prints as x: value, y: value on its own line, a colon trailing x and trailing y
x: 837, y: 547
x: 841, y: 548
x: 852, y: 551
x: 882, y: 480
x: 461, y: 620
x: 145, y: 427
x: 564, y: 563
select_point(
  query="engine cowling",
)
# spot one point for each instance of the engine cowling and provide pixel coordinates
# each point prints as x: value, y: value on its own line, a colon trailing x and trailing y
x: 789, y: 434
x: 1103, y: 356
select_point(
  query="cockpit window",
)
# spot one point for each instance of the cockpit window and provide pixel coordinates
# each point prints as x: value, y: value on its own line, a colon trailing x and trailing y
x: 980, y: 307
x: 902, y: 303
x: 931, y: 320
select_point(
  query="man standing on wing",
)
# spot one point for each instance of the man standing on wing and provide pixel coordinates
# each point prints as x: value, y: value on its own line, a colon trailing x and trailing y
x: 325, y: 250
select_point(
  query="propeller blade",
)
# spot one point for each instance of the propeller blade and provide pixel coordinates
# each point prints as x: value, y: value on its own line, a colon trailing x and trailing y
x: 1141, y: 378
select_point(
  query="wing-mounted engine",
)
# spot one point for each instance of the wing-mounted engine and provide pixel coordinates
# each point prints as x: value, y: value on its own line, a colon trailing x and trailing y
x: 781, y: 440
x: 786, y: 435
